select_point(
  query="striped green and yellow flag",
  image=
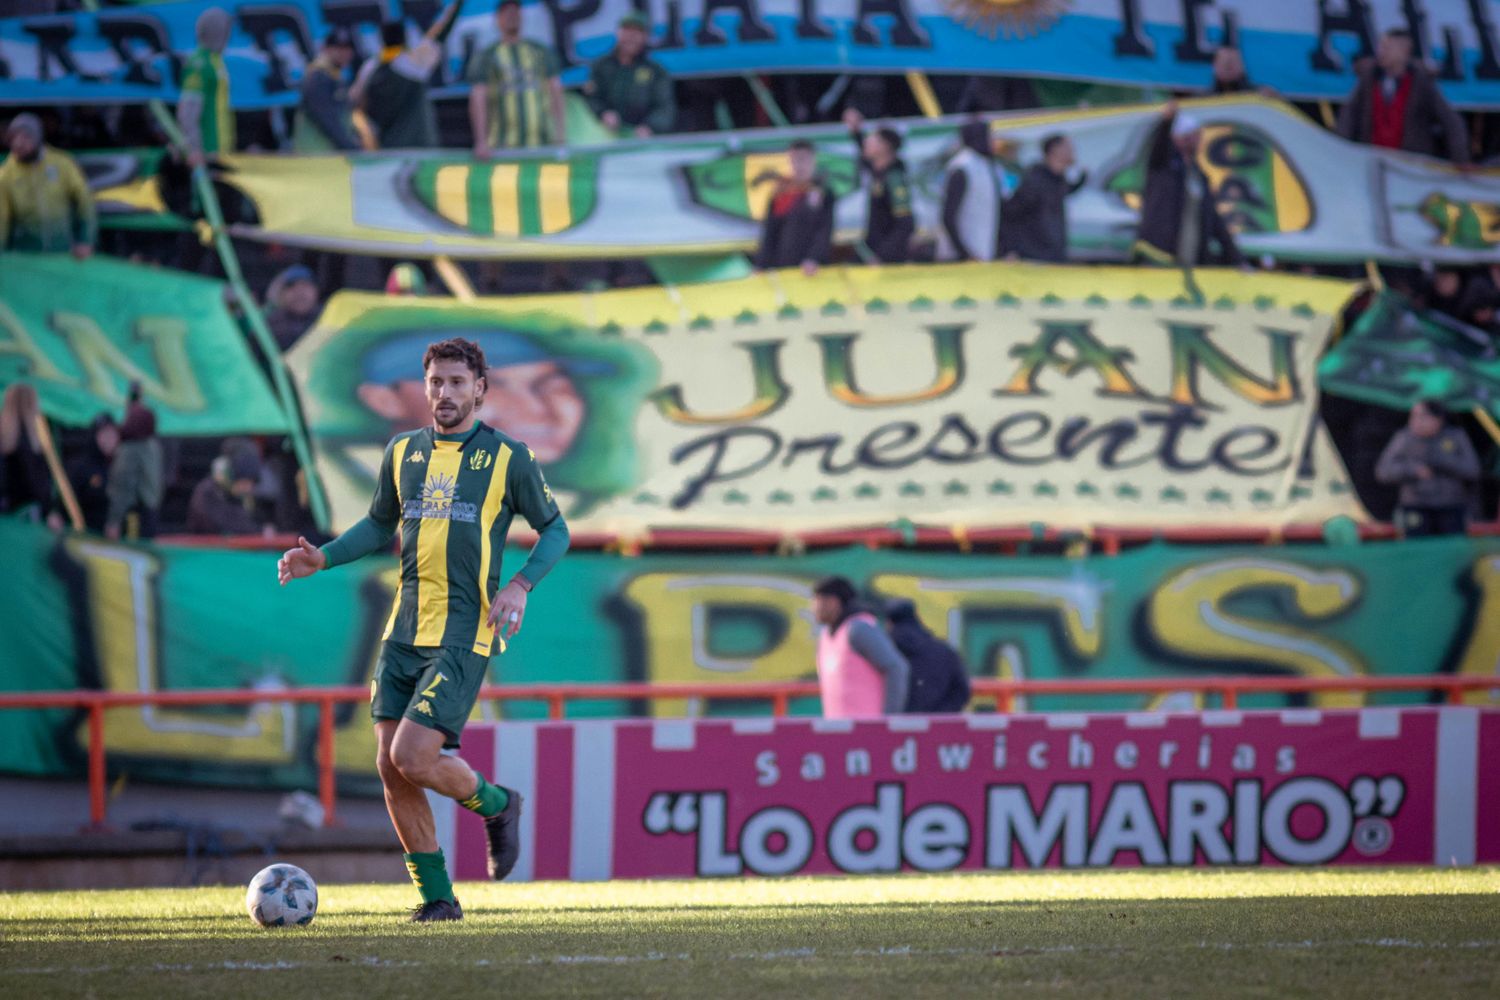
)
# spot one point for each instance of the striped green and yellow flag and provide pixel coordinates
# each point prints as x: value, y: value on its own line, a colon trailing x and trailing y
x: 516, y: 198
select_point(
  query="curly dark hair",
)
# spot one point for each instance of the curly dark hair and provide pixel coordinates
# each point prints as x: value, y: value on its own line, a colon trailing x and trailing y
x: 457, y: 349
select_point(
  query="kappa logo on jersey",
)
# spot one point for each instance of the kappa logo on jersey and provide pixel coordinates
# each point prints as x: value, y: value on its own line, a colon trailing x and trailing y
x: 479, y: 460
x: 424, y: 707
x: 416, y: 458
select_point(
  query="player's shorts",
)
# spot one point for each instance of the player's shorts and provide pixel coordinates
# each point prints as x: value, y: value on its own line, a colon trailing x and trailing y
x: 433, y: 686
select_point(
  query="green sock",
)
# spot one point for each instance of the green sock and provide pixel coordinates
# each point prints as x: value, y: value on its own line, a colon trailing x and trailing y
x: 430, y: 874
x: 487, y: 799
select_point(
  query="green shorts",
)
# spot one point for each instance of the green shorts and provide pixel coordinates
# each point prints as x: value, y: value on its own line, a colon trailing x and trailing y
x: 433, y: 686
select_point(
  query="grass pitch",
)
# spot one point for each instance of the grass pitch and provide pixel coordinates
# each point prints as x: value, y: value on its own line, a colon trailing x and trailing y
x: 1094, y: 934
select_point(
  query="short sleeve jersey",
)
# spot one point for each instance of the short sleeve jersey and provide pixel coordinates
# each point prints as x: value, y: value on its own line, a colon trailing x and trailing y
x: 518, y: 75
x: 205, y: 74
x: 454, y: 497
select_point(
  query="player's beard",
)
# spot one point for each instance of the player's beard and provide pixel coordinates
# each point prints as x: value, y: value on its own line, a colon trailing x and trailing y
x: 447, y: 419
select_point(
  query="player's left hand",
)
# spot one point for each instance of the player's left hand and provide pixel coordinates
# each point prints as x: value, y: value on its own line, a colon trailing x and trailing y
x: 508, y: 611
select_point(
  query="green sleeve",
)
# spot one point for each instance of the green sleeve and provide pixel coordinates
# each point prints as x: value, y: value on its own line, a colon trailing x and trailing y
x: 4, y: 208
x: 479, y: 69
x: 85, y: 219
x: 375, y: 530
x: 529, y: 495
x: 899, y: 186
x: 663, y: 116
x: 596, y: 85
x: 550, y: 61
x: 193, y: 81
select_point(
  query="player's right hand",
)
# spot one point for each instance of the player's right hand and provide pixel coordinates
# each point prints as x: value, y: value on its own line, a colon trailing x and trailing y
x: 304, y: 560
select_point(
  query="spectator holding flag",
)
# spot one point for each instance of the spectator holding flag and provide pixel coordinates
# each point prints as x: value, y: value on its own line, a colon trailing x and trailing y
x: 888, y: 220
x: 392, y: 91
x: 1180, y: 221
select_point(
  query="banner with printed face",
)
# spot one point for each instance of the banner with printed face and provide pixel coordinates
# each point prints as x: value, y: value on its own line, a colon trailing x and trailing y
x: 1302, y: 49
x: 1288, y: 189
x: 958, y: 395
x: 706, y: 799
x: 82, y: 332
x: 79, y: 612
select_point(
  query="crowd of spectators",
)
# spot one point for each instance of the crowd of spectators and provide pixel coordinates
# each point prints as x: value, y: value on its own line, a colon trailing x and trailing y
x: 516, y: 100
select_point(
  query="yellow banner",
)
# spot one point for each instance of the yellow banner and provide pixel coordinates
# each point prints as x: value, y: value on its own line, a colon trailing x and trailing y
x: 957, y: 395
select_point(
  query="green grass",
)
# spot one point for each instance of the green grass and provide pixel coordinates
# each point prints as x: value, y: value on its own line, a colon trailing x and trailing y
x: 1320, y: 934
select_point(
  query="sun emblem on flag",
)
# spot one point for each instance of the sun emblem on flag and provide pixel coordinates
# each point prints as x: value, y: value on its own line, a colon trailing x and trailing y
x: 1011, y: 18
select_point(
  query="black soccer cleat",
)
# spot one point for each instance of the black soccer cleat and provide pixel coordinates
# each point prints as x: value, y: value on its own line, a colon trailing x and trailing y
x: 438, y: 909
x: 504, y: 832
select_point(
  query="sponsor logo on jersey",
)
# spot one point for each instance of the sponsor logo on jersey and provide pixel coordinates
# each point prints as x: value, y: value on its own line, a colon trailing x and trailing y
x: 440, y: 502
x: 416, y: 458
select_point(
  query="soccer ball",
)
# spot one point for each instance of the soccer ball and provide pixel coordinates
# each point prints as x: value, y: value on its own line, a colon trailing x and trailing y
x: 282, y: 896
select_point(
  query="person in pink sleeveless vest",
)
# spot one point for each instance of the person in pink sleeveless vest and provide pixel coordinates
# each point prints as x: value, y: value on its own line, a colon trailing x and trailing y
x: 860, y: 672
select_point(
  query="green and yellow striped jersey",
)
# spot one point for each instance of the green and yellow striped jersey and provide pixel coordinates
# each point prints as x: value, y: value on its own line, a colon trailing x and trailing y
x: 205, y: 74
x: 454, y: 497
x: 519, y: 77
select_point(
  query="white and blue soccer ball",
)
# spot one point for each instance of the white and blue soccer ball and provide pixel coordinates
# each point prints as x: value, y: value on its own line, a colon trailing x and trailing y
x: 282, y: 896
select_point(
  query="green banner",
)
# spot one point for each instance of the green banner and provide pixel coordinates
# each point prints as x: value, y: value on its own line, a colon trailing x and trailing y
x: 81, y: 332
x: 1393, y: 357
x: 950, y: 395
x: 84, y: 613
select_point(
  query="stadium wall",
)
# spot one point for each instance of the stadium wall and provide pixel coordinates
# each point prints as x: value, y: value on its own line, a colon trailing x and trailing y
x: 86, y: 613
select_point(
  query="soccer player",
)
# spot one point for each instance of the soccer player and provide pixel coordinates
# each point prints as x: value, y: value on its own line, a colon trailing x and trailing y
x: 453, y: 488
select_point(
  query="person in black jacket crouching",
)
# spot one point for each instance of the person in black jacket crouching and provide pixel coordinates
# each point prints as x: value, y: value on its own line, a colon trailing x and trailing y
x: 939, y: 681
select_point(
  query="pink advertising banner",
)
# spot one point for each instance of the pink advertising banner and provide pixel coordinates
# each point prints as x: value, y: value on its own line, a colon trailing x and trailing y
x: 687, y: 798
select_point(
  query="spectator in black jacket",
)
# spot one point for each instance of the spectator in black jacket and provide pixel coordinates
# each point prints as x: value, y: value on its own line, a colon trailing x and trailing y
x: 888, y: 218
x: 939, y: 682
x: 1437, y: 470
x: 1397, y: 104
x: 88, y: 473
x: 324, y: 116
x: 25, y: 483
x: 798, y: 228
x: 1034, y: 220
x: 1229, y: 71
x: 292, y: 305
x: 1180, y: 222
x: 222, y: 502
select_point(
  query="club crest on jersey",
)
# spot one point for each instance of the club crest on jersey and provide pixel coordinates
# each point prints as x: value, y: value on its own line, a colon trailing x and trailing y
x: 480, y: 459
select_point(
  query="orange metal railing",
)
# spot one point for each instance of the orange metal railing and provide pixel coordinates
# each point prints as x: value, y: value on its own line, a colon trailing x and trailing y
x: 1004, y: 538
x: 780, y: 695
